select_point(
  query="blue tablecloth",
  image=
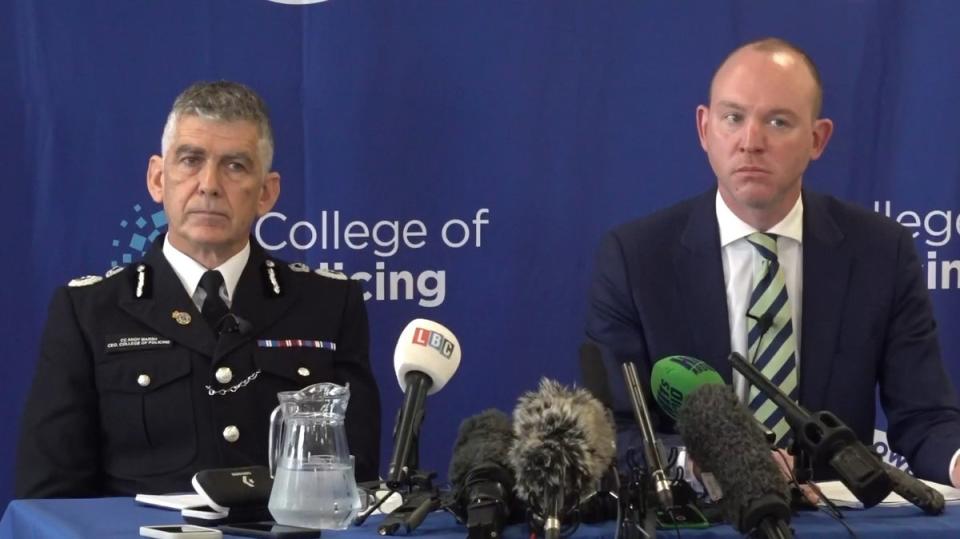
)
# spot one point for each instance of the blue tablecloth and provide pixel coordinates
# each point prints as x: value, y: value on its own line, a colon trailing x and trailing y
x: 107, y: 518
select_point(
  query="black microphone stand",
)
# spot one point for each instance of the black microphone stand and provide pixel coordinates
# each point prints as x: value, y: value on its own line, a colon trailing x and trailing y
x: 827, y: 440
x: 420, y: 497
x: 766, y: 518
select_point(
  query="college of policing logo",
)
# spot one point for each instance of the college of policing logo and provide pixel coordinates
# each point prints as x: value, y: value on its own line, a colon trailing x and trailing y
x: 138, y: 233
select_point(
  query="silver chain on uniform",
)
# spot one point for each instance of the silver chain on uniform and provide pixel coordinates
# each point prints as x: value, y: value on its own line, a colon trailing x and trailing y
x: 234, y: 387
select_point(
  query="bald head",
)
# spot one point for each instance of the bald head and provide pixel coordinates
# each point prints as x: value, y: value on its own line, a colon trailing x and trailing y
x: 780, y: 52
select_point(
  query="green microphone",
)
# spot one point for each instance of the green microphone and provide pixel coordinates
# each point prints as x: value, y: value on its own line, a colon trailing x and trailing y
x: 675, y: 377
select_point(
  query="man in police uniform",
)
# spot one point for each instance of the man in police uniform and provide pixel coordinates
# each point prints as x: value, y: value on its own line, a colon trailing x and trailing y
x: 173, y: 364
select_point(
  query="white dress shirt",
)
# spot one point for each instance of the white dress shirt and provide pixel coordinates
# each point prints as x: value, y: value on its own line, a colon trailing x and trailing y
x: 742, y: 268
x: 189, y: 271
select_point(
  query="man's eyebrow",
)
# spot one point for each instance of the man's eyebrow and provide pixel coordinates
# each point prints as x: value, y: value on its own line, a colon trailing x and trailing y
x: 730, y: 105
x: 189, y: 149
x: 782, y: 112
x: 239, y: 156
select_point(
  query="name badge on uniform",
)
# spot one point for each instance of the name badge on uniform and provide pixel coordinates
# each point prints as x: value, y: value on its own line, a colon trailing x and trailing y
x: 129, y: 343
x: 296, y: 343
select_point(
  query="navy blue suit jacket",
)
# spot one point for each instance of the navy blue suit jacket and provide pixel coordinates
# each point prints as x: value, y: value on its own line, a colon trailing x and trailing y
x: 867, y: 320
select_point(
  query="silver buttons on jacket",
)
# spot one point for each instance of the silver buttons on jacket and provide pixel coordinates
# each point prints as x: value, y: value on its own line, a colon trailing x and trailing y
x: 224, y: 375
x: 143, y: 380
x: 231, y: 434
x: 303, y: 371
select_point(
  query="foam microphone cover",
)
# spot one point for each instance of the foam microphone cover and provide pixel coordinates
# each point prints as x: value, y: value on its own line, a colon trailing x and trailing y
x: 427, y: 347
x: 723, y: 438
x: 565, y: 440
x: 483, y: 444
x: 673, y: 378
x: 915, y: 491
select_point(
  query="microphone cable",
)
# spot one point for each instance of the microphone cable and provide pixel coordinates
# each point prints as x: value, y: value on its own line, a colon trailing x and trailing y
x: 830, y: 508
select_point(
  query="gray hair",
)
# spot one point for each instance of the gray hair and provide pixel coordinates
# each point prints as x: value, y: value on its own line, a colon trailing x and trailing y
x: 222, y: 101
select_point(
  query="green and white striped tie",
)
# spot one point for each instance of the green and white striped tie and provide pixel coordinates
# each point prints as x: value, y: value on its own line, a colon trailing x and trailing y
x: 773, y: 348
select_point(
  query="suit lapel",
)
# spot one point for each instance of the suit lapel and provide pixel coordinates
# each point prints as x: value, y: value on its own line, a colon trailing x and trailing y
x: 826, y: 272
x: 252, y: 301
x: 166, y: 297
x: 699, y: 270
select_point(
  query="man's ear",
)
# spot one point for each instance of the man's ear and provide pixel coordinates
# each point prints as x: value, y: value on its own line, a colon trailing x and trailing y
x: 822, y: 129
x: 703, y: 116
x: 269, y: 193
x: 155, y: 178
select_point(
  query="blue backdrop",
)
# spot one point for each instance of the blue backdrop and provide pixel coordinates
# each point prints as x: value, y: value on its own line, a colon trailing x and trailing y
x: 513, y: 133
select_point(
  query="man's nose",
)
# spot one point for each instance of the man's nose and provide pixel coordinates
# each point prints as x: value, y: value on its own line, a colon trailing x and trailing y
x: 209, y: 181
x: 753, y: 137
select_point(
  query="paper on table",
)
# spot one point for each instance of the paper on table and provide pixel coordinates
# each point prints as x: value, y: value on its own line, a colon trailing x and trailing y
x: 840, y: 495
x: 172, y: 501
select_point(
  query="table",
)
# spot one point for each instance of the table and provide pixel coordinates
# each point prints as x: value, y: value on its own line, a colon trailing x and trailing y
x: 109, y: 518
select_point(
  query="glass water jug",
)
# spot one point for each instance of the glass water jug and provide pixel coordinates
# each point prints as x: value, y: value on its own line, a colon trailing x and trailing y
x: 314, y: 484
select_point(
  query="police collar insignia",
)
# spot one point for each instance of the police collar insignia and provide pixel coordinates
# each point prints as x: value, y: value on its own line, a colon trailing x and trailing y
x: 141, y: 281
x: 271, y: 279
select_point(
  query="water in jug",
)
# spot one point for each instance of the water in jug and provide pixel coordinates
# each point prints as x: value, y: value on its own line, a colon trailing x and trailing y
x: 314, y: 484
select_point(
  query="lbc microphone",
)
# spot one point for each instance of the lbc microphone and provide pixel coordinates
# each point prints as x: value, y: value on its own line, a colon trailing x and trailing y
x: 480, y: 474
x: 426, y: 356
x: 565, y: 441
x: 827, y: 440
x: 724, y: 439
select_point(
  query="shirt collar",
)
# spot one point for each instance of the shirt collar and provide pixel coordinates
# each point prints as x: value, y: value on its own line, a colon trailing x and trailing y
x: 732, y: 228
x: 189, y: 270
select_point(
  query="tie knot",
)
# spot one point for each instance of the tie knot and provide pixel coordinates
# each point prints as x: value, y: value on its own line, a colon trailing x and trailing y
x: 766, y: 244
x: 210, y: 282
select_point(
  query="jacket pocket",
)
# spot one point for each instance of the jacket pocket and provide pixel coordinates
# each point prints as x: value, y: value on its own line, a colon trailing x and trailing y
x: 146, y: 412
x: 295, y: 368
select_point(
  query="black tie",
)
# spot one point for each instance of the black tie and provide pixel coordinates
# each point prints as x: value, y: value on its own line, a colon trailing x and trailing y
x: 214, y: 309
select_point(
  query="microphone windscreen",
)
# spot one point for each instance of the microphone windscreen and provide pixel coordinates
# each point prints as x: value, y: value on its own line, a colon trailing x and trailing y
x: 483, y: 442
x: 674, y: 378
x: 565, y: 440
x: 428, y: 347
x: 723, y: 438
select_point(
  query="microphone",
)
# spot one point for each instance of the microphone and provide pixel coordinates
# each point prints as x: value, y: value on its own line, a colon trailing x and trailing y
x: 915, y: 491
x: 480, y: 473
x: 674, y: 378
x: 591, y: 365
x: 764, y: 321
x: 827, y: 440
x: 724, y: 439
x: 652, y: 446
x: 564, y: 443
x: 231, y: 323
x: 425, y: 358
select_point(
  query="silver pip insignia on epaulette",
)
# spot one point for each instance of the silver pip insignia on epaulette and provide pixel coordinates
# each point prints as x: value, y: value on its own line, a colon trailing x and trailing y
x: 86, y: 280
x: 331, y: 274
x: 299, y: 267
x: 271, y: 283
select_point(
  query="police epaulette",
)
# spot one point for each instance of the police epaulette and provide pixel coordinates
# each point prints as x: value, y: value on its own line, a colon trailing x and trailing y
x: 331, y: 274
x: 86, y: 280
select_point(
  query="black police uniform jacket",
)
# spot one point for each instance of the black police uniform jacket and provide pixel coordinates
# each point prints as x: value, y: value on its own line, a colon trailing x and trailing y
x: 121, y: 403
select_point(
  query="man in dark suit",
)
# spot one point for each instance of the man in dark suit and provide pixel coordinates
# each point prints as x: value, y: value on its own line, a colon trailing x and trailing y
x: 830, y: 297
x: 173, y: 364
